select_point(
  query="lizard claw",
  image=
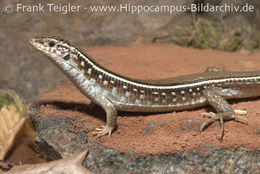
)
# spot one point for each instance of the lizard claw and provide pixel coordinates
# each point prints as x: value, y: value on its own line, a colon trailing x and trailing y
x: 100, y: 128
x: 103, y: 130
x: 221, y: 117
x: 212, y: 118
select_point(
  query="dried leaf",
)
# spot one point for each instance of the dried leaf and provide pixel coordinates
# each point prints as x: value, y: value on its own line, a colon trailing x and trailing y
x: 10, y: 124
x: 68, y: 165
x: 12, y: 119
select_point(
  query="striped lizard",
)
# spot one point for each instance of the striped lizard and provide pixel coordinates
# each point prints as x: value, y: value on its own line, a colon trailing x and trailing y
x: 115, y: 92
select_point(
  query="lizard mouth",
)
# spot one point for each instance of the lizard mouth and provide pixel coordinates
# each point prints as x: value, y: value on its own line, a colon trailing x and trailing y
x: 36, y: 41
x: 38, y: 44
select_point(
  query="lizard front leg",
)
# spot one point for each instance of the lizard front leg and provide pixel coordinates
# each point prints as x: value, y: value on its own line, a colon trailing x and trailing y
x: 223, y: 108
x: 111, y: 113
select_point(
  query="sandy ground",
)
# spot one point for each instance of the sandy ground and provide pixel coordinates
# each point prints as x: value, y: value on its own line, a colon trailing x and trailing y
x: 162, y: 132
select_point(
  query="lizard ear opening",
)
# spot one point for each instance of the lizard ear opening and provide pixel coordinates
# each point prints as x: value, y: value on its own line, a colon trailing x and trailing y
x: 67, y: 57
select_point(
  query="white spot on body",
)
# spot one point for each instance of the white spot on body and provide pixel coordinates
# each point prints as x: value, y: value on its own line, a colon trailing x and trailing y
x: 137, y: 101
x: 105, y: 82
x: 114, y: 91
x: 89, y: 71
x: 201, y: 99
x: 82, y: 63
x: 127, y: 94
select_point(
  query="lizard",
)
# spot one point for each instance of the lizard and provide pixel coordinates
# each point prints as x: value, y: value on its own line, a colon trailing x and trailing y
x: 115, y: 92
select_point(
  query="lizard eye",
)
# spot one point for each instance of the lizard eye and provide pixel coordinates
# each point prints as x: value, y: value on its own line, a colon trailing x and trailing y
x: 51, y: 44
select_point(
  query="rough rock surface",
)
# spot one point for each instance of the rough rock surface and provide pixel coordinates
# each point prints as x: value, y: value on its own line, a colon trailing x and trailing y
x: 162, y: 142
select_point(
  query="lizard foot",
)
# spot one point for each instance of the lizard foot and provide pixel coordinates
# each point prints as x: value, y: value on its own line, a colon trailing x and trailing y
x: 103, y: 130
x: 221, y: 117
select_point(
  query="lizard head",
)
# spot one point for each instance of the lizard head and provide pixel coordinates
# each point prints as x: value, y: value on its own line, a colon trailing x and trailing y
x: 56, y: 49
x: 51, y: 46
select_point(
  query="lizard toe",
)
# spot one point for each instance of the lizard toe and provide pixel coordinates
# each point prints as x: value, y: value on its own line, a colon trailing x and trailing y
x: 103, y: 130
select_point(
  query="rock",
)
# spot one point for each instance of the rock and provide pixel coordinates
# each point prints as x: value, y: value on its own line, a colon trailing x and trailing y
x: 57, y: 140
x: 142, y: 143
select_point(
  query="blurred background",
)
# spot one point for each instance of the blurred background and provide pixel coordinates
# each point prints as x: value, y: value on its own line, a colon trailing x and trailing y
x: 29, y: 73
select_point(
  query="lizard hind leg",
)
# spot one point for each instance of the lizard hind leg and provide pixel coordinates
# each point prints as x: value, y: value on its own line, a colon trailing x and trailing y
x: 223, y: 108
